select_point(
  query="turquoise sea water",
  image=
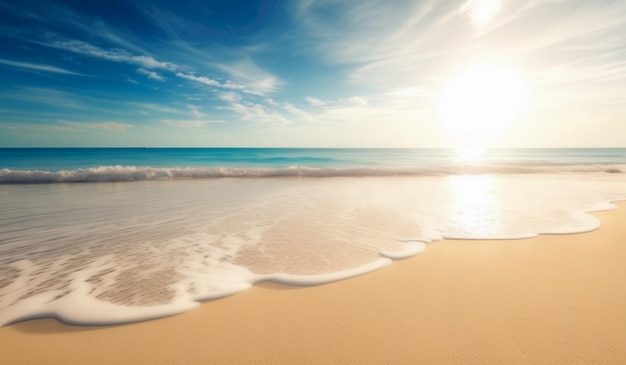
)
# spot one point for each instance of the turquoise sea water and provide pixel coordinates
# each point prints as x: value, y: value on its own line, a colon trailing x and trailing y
x: 121, y: 164
x: 101, y: 236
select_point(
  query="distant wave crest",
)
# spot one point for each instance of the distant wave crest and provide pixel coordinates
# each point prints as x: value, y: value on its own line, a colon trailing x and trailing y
x: 134, y: 173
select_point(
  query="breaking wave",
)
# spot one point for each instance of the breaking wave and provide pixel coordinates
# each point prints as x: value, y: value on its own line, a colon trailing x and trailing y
x: 136, y: 173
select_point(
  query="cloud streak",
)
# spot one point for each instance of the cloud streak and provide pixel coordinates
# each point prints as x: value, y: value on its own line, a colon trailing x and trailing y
x: 104, y: 126
x: 37, y: 67
x: 115, y: 55
x: 151, y: 74
x: 247, y: 73
x: 209, y: 82
x: 255, y: 80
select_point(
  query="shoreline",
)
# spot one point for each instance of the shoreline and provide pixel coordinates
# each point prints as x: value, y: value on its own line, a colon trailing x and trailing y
x: 548, y: 299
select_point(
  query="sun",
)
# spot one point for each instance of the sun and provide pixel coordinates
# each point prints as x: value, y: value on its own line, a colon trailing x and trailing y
x: 479, y: 104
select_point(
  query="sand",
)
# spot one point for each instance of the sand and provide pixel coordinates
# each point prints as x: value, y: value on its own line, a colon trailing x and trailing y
x: 547, y: 300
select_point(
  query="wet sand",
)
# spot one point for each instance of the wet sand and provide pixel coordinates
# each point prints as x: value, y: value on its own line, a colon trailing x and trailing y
x: 556, y: 299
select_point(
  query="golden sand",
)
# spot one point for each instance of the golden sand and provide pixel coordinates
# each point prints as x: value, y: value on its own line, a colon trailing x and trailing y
x: 546, y: 300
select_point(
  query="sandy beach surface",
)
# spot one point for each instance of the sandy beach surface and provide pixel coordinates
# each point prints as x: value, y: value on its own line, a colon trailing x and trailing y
x: 557, y: 299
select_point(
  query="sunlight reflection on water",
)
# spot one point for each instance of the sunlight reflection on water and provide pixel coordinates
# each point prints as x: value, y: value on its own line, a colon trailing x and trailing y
x: 476, y: 209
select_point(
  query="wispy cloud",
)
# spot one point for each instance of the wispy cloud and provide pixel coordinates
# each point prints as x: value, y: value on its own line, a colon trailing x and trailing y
x: 258, y: 89
x: 421, y: 44
x: 252, y: 76
x: 187, y: 124
x: 407, y: 92
x: 155, y: 107
x: 339, y: 66
x: 37, y: 67
x: 597, y: 24
x: 41, y: 95
x: 196, y: 111
x: 32, y: 127
x: 209, y: 82
x: 581, y: 73
x: 314, y: 101
x: 105, y: 126
x: 256, y: 112
x: 115, y: 55
x: 151, y: 74
x: 372, y: 29
x: 257, y: 81
x: 386, y: 43
x: 399, y: 105
x: 114, y: 36
x: 190, y: 123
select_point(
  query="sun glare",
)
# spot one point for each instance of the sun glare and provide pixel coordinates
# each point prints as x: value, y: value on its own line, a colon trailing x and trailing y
x: 469, y: 153
x: 481, y: 11
x: 479, y: 104
x: 476, y: 208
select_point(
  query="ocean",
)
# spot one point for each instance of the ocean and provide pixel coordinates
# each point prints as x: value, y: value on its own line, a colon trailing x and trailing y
x: 115, y: 235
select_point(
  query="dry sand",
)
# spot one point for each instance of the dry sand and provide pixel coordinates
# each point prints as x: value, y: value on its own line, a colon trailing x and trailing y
x: 546, y: 300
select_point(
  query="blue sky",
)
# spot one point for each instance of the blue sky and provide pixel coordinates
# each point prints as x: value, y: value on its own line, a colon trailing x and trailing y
x: 367, y: 73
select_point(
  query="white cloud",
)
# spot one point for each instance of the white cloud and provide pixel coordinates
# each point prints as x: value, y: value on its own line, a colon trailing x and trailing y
x: 407, y: 92
x: 37, y: 67
x: 301, y: 115
x: 578, y: 45
x: 105, y: 126
x: 155, y: 107
x: 32, y: 127
x: 231, y: 96
x: 113, y: 35
x: 371, y: 29
x: 600, y: 24
x: 116, y: 55
x: 186, y: 124
x: 357, y: 100
x: 151, y: 74
x: 252, y: 77
x: 195, y: 111
x: 41, y: 95
x: 199, y: 79
x: 388, y: 43
x: 314, y: 101
x: 255, y: 80
x: 256, y: 113
x: 210, y: 82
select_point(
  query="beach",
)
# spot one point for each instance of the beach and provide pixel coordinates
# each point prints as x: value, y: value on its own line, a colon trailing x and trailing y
x: 313, y: 182
x: 553, y: 299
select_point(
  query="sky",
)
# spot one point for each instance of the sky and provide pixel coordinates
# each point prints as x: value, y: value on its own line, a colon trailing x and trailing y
x: 325, y: 73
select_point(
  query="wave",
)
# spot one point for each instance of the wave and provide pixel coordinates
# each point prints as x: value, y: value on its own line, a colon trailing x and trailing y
x: 135, y: 173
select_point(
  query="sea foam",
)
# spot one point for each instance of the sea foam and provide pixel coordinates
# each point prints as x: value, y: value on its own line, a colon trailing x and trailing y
x: 120, y: 252
x: 138, y: 173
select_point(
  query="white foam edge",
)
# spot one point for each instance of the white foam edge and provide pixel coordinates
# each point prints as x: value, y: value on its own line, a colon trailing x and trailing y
x: 318, y: 279
x: 412, y: 248
x: 586, y: 221
x: 78, y: 308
